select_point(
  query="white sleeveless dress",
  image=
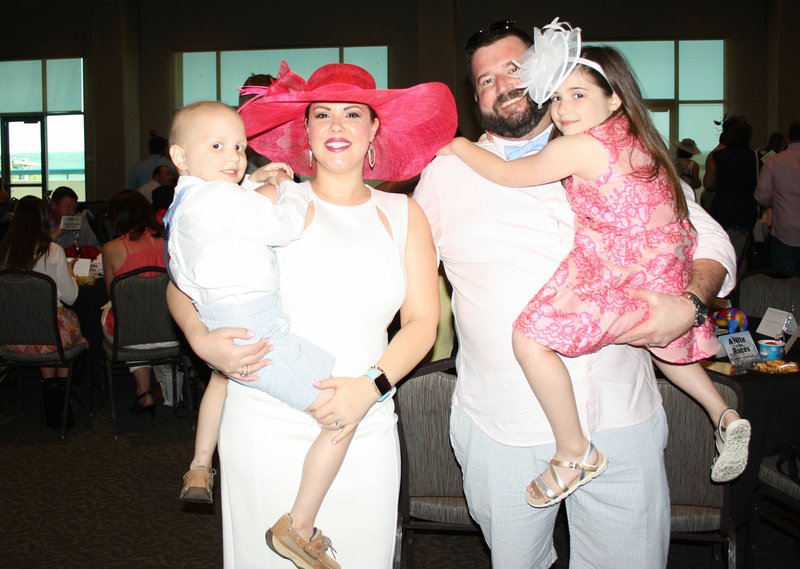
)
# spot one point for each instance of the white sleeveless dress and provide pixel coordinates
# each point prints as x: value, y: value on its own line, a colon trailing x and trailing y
x: 341, y: 284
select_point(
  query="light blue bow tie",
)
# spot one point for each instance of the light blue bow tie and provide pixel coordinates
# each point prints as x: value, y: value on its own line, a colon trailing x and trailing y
x: 514, y: 152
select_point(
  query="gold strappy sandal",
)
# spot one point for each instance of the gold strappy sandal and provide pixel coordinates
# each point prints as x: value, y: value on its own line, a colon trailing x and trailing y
x: 540, y: 495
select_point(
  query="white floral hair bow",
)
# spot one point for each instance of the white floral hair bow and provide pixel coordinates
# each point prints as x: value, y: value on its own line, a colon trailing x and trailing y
x: 549, y: 61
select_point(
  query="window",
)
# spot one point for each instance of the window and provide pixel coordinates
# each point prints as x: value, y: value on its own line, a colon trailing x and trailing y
x: 683, y: 82
x: 42, y: 127
x: 218, y: 75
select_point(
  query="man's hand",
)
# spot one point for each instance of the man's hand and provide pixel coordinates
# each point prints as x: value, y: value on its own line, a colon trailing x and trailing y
x: 669, y: 317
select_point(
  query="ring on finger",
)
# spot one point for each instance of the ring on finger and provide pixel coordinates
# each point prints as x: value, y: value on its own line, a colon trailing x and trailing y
x: 338, y: 425
x: 244, y: 370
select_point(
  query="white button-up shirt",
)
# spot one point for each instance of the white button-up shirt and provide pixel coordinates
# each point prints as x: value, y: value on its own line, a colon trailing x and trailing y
x: 220, y: 233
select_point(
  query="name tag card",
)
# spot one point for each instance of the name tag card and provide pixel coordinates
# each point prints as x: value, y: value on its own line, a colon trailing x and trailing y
x: 773, y: 322
x: 790, y: 342
x: 71, y: 222
x: 741, y: 348
x: 82, y: 267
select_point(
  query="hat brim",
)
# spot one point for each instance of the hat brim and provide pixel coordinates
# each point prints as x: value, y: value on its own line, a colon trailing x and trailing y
x: 414, y: 124
x: 693, y: 150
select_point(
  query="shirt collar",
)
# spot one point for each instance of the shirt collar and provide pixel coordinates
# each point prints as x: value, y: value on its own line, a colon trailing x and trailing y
x: 500, y: 144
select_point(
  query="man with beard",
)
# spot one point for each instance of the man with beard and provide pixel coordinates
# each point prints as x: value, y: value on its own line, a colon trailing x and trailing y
x: 499, y: 246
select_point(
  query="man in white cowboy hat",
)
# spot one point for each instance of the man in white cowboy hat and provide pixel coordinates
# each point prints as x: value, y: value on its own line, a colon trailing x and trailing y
x: 498, y: 246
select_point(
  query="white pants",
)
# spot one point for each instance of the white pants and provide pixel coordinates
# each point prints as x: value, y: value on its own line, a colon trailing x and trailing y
x: 262, y: 447
x: 619, y: 520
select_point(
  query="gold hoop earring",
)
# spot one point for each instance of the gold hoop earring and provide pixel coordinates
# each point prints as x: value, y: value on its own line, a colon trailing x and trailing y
x: 310, y: 159
x: 371, y: 156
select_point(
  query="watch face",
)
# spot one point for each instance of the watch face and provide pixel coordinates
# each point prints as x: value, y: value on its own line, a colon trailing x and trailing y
x: 701, y: 317
x: 383, y: 384
x: 700, y: 309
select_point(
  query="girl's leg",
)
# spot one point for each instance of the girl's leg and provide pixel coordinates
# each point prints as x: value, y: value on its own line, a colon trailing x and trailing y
x: 320, y: 468
x: 205, y: 440
x: 551, y: 383
x: 692, y: 379
x: 733, y: 432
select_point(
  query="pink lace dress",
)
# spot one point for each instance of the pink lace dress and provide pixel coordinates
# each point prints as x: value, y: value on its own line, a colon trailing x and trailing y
x: 626, y: 237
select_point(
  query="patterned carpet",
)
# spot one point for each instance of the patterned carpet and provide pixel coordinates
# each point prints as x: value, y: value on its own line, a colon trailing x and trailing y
x: 99, y: 502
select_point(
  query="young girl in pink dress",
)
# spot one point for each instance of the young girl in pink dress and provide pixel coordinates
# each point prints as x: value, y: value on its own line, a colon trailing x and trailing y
x: 631, y: 232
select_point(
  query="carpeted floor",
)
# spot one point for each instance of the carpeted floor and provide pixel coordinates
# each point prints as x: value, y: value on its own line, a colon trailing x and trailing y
x: 99, y: 502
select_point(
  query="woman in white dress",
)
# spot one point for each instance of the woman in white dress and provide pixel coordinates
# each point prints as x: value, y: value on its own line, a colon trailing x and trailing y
x: 364, y: 255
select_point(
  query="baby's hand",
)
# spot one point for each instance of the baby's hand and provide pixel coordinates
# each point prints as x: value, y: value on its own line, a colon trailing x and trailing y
x: 269, y: 191
x: 273, y: 173
x: 485, y: 137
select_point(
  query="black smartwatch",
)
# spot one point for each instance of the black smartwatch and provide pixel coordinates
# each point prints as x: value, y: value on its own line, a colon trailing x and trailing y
x: 385, y: 389
x: 700, y: 308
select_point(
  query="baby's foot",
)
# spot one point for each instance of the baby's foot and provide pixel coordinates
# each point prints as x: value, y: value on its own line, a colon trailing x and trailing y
x: 305, y: 554
x: 197, y: 485
x: 552, y: 486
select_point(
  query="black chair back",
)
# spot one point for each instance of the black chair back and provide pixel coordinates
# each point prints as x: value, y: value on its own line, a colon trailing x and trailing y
x: 141, y: 314
x: 28, y: 310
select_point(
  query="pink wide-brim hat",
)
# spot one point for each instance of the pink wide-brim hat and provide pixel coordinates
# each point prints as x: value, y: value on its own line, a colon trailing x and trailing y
x: 414, y: 122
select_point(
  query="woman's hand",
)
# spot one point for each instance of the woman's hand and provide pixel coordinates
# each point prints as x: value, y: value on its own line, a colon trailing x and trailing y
x: 219, y: 349
x: 350, y: 401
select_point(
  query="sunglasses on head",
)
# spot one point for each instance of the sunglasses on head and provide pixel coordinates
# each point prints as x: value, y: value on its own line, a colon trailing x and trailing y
x: 499, y: 26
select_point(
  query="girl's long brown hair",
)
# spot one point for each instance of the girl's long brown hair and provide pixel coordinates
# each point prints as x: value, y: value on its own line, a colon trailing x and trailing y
x: 620, y: 80
x: 28, y: 238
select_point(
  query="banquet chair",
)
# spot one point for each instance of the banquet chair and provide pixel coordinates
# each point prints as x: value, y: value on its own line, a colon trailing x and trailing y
x: 699, y: 509
x: 765, y: 288
x: 778, y: 489
x: 29, y: 315
x: 431, y: 490
x: 141, y: 316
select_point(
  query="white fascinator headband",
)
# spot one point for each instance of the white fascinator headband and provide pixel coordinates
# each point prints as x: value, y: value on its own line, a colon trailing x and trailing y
x: 553, y: 56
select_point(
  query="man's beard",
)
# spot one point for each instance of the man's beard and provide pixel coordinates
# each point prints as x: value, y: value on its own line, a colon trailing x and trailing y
x: 517, y: 125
